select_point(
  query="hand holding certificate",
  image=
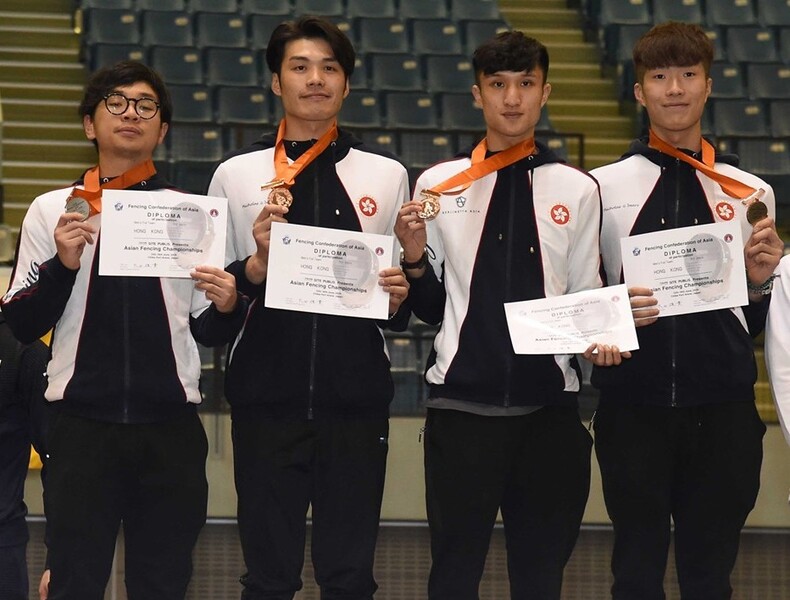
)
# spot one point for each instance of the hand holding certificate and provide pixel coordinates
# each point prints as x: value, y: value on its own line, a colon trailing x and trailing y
x: 691, y: 269
x: 329, y: 271
x: 570, y: 324
x: 152, y: 234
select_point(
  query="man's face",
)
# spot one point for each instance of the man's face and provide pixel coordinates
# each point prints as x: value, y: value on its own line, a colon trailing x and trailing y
x: 511, y: 103
x: 675, y: 100
x: 311, y: 83
x: 126, y: 136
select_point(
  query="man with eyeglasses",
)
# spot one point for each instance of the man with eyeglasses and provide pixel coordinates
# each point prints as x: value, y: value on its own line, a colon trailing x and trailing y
x: 127, y: 446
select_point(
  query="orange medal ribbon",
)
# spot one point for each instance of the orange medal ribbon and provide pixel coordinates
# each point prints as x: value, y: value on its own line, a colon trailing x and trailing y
x: 92, y: 188
x: 287, y: 172
x: 480, y: 167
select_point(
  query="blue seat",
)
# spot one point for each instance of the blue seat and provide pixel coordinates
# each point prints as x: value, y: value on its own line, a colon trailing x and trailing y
x: 359, y: 78
x: 382, y: 35
x: 192, y: 175
x: 423, y: 9
x: 477, y: 32
x: 410, y: 110
x: 371, y: 8
x: 361, y: 108
x: 112, y: 26
x: 226, y: 30
x: 727, y: 80
x: 717, y: 39
x: 739, y: 118
x: 769, y: 81
x: 779, y: 111
x: 191, y: 104
x: 460, y: 113
x: 467, y: 10
x: 261, y: 28
x: 421, y: 149
x: 217, y: 6
x: 449, y: 73
x: 556, y: 143
x: 104, y: 55
x: 784, y: 45
x: 435, y: 36
x: 773, y: 13
x: 232, y: 66
x: 381, y: 139
x: 171, y: 5
x: 751, y: 44
x: 728, y: 13
x: 399, y: 72
x: 267, y: 7
x: 765, y: 157
x: 167, y: 28
x: 177, y: 64
x: 624, y: 12
x: 326, y: 8
x: 195, y: 142
x: 619, y: 42
x: 121, y: 4
x: 242, y: 105
x: 686, y: 11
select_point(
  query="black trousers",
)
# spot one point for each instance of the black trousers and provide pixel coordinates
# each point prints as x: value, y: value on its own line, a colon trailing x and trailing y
x: 151, y: 477
x: 282, y: 467
x: 535, y: 468
x: 699, y: 466
x: 13, y: 572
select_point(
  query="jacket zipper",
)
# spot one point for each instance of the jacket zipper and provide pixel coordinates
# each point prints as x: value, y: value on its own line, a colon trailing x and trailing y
x: 127, y: 368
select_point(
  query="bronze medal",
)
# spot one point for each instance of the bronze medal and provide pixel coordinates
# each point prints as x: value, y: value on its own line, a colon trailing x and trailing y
x: 756, y: 210
x: 281, y: 196
x: 78, y: 205
x: 430, y: 206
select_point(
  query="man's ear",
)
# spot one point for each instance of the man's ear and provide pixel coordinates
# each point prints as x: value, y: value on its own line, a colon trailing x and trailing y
x: 87, y: 126
x: 477, y: 96
x: 276, y: 85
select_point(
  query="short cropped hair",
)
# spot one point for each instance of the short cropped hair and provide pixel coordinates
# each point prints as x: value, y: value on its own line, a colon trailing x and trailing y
x: 310, y: 27
x: 510, y: 51
x: 672, y: 44
x: 124, y: 73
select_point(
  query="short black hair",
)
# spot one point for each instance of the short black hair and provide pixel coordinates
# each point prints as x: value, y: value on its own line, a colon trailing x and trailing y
x: 124, y: 73
x: 672, y: 44
x: 310, y: 27
x: 510, y: 51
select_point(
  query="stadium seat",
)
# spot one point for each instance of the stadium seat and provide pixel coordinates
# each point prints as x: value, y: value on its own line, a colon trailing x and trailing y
x: 177, y: 64
x: 395, y: 72
x: 195, y: 142
x: 167, y: 28
x: 225, y: 30
x: 261, y: 27
x: 382, y: 35
x: 282, y: 8
x: 556, y: 144
x: 784, y: 45
x: 686, y: 11
x: 779, y: 111
x: 371, y: 8
x: 242, y: 105
x: 449, y: 74
x: 192, y: 175
x: 171, y: 5
x: 191, y: 104
x: 765, y: 157
x: 231, y: 66
x: 769, y: 81
x: 423, y: 9
x: 727, y: 13
x: 112, y: 26
x: 619, y: 42
x: 460, y: 113
x: 624, y: 12
x: 120, y: 4
x: 435, y: 36
x: 359, y: 78
x: 410, y: 110
x: 467, y: 10
x: 727, y: 80
x: 477, y: 32
x: 751, y: 44
x: 217, y: 6
x: 326, y: 8
x: 103, y: 55
x: 717, y: 39
x: 773, y: 13
x: 361, y: 108
x: 739, y: 118
x: 380, y: 139
x: 423, y: 149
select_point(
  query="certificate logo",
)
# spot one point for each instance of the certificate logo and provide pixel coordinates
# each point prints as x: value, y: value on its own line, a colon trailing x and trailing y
x: 119, y: 206
x: 725, y: 211
x: 560, y: 214
x: 636, y: 251
x: 728, y: 238
x: 214, y: 212
x: 460, y: 201
x: 286, y: 240
x: 368, y: 206
x: 379, y: 251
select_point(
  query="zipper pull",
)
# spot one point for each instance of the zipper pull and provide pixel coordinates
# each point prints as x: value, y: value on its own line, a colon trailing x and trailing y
x: 419, y: 437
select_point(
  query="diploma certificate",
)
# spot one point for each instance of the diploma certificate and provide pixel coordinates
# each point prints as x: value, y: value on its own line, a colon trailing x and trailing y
x: 153, y: 234
x: 569, y: 324
x: 328, y: 271
x: 691, y: 269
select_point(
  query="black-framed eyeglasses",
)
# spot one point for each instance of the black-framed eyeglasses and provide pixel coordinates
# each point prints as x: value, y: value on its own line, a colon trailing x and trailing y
x: 117, y: 104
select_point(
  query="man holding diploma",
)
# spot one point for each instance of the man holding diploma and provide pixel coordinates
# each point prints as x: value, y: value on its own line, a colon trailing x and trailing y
x: 309, y: 391
x: 677, y: 434
x: 128, y: 445
x: 506, y: 222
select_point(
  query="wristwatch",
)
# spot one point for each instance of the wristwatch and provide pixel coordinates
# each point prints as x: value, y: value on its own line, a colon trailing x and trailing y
x: 420, y: 263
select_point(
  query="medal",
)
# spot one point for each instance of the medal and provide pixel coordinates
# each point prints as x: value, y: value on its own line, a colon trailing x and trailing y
x: 756, y: 210
x: 281, y: 196
x: 429, y: 205
x: 78, y: 205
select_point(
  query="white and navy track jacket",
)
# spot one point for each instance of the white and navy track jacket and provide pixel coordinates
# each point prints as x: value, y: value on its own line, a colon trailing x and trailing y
x: 527, y: 231
x: 297, y: 364
x: 687, y: 359
x: 123, y: 348
x: 777, y: 345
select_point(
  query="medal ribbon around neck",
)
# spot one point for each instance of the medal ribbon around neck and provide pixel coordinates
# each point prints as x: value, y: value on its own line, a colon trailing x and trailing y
x: 92, y: 188
x: 481, y: 166
x: 732, y: 187
x: 285, y: 172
